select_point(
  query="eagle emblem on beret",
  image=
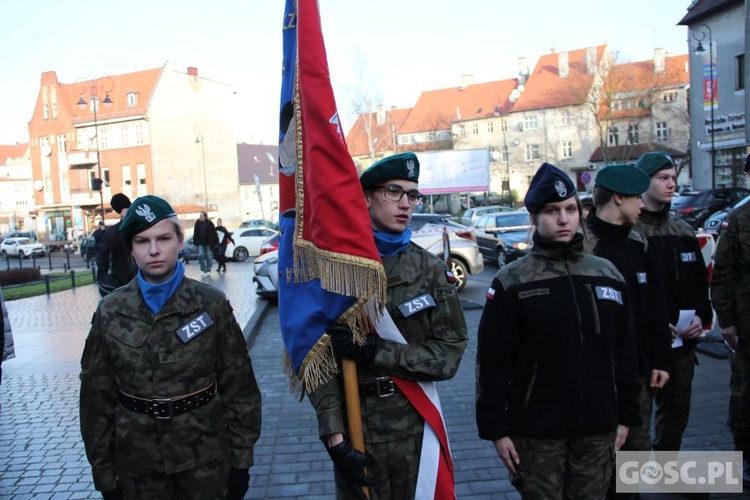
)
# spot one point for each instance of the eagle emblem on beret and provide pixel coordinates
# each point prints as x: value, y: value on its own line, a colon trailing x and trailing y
x: 410, y: 169
x: 560, y: 189
x: 145, y: 212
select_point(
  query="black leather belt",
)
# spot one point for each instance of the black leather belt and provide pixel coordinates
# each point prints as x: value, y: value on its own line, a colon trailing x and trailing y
x: 381, y: 387
x: 166, y: 408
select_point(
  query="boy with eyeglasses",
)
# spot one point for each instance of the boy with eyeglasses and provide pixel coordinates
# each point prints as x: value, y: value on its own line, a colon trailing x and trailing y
x: 424, y: 305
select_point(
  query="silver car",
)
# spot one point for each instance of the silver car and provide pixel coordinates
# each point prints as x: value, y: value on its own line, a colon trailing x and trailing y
x: 266, y: 275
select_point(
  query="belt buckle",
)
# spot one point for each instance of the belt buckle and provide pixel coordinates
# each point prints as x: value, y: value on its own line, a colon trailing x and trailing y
x: 385, y: 387
x: 156, y: 403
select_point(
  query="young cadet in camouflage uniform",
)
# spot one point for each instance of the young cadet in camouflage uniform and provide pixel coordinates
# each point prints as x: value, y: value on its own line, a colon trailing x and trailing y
x: 610, y: 224
x: 685, y: 279
x: 436, y: 336
x: 557, y: 385
x: 169, y: 405
x: 730, y: 294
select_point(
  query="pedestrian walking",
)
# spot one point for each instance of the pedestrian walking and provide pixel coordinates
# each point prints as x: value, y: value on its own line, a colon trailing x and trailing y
x: 556, y: 362
x: 169, y: 405
x: 100, y: 248
x: 683, y: 273
x: 225, y: 237
x: 730, y: 294
x: 424, y: 306
x: 205, y: 239
x: 120, y: 268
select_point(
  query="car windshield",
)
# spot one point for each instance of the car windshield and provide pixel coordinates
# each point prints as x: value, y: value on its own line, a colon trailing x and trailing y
x: 24, y: 241
x: 512, y: 220
x: 685, y: 200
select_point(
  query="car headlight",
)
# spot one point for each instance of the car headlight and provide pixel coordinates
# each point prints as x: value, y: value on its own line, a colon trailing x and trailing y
x: 521, y: 245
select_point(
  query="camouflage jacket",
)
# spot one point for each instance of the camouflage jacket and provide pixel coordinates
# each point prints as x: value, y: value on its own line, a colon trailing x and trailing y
x: 555, y: 351
x: 626, y: 249
x: 436, y: 339
x: 131, y: 349
x: 730, y: 286
x: 680, y: 264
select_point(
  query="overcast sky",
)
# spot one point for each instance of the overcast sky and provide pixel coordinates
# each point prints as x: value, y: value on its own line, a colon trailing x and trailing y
x: 399, y: 47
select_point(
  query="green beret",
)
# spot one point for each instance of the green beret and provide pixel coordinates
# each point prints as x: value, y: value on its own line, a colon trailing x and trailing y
x: 399, y: 166
x: 142, y: 214
x: 623, y: 179
x: 653, y: 162
x: 549, y: 185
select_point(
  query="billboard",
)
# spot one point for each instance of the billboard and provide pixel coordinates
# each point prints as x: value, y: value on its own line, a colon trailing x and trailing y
x: 455, y: 171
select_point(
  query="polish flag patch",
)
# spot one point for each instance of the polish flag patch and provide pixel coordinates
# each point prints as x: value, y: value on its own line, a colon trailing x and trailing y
x: 491, y: 293
x: 451, y: 277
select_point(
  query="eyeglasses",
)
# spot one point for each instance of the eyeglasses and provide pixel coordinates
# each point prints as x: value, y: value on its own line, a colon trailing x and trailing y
x: 395, y: 193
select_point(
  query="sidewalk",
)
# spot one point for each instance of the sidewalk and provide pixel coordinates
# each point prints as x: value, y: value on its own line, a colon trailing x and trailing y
x: 41, y: 454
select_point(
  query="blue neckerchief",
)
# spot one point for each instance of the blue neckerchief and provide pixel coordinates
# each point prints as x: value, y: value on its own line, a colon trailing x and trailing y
x: 158, y: 295
x: 392, y: 243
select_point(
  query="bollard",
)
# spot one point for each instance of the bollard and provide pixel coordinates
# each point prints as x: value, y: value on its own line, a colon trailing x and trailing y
x: 49, y: 258
x: 73, y: 278
x: 65, y: 267
x: 33, y: 260
x: 46, y: 283
x: 67, y: 256
x: 20, y: 261
x: 93, y: 273
x: 7, y: 262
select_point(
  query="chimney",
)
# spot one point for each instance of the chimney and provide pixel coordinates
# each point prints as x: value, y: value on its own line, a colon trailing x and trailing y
x: 466, y: 80
x: 380, y: 114
x: 49, y: 78
x: 562, y: 65
x: 660, y: 60
x: 193, y: 71
x: 591, y: 62
x: 523, y: 70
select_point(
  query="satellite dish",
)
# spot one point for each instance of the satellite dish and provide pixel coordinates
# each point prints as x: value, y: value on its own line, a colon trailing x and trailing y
x: 515, y: 94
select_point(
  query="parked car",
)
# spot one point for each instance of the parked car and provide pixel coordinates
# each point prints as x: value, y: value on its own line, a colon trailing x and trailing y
x: 427, y: 232
x: 87, y: 247
x: 270, y: 244
x: 266, y: 275
x: 695, y: 207
x: 21, y: 247
x: 260, y: 223
x: 23, y: 234
x: 473, y: 214
x: 714, y: 224
x: 503, y: 237
x: 247, y: 242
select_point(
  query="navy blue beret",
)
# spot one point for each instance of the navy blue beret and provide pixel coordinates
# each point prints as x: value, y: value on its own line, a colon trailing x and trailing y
x: 623, y: 179
x: 399, y: 166
x: 549, y: 185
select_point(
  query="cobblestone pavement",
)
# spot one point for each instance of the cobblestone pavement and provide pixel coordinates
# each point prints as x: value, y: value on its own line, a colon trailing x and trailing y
x: 41, y: 454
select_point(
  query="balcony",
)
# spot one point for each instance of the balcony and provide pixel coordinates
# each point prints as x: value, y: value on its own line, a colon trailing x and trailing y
x: 81, y: 159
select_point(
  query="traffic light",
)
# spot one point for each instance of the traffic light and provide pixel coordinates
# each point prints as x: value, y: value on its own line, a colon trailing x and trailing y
x: 96, y: 184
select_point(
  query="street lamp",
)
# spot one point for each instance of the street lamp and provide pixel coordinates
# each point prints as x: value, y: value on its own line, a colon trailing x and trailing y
x: 93, y: 88
x: 199, y: 140
x: 505, y: 153
x: 700, y: 35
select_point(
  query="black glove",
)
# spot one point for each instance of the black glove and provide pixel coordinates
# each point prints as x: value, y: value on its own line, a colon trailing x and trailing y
x: 115, y: 494
x: 344, y: 346
x: 238, y: 484
x: 351, y: 464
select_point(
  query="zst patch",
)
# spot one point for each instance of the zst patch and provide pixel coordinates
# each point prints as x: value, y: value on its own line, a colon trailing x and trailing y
x: 413, y: 306
x: 688, y: 257
x: 609, y: 293
x: 194, y: 327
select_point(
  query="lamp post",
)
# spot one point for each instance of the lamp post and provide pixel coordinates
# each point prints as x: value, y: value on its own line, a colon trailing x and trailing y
x: 700, y: 35
x: 93, y: 88
x: 199, y: 139
x: 505, y: 153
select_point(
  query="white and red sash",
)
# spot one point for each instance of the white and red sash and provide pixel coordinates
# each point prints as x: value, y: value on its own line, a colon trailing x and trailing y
x: 435, y: 477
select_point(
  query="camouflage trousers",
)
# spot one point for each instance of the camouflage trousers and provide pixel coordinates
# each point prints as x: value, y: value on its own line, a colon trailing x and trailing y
x: 739, y: 399
x: 209, y: 481
x: 673, y: 401
x: 552, y: 468
x: 396, y: 467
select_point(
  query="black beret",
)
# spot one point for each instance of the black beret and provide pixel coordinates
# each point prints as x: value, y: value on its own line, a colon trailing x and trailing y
x: 623, y: 179
x: 119, y: 202
x: 144, y: 213
x: 550, y: 184
x: 653, y: 162
x: 399, y: 166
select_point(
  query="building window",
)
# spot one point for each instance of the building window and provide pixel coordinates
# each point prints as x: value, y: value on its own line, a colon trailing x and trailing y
x: 132, y: 98
x: 567, y: 149
x: 124, y: 135
x: 61, y: 146
x: 139, y: 133
x: 662, y: 131
x: 566, y: 117
x: 46, y: 111
x: 669, y: 96
x: 613, y: 137
x: 475, y: 128
x: 54, y: 109
x: 126, y: 180
x: 531, y: 122
x: 103, y: 141
x: 490, y: 127
x: 141, y: 171
x: 532, y: 152
x: 105, y: 177
x: 461, y: 131
x: 739, y: 71
x: 632, y: 134
x: 505, y: 155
